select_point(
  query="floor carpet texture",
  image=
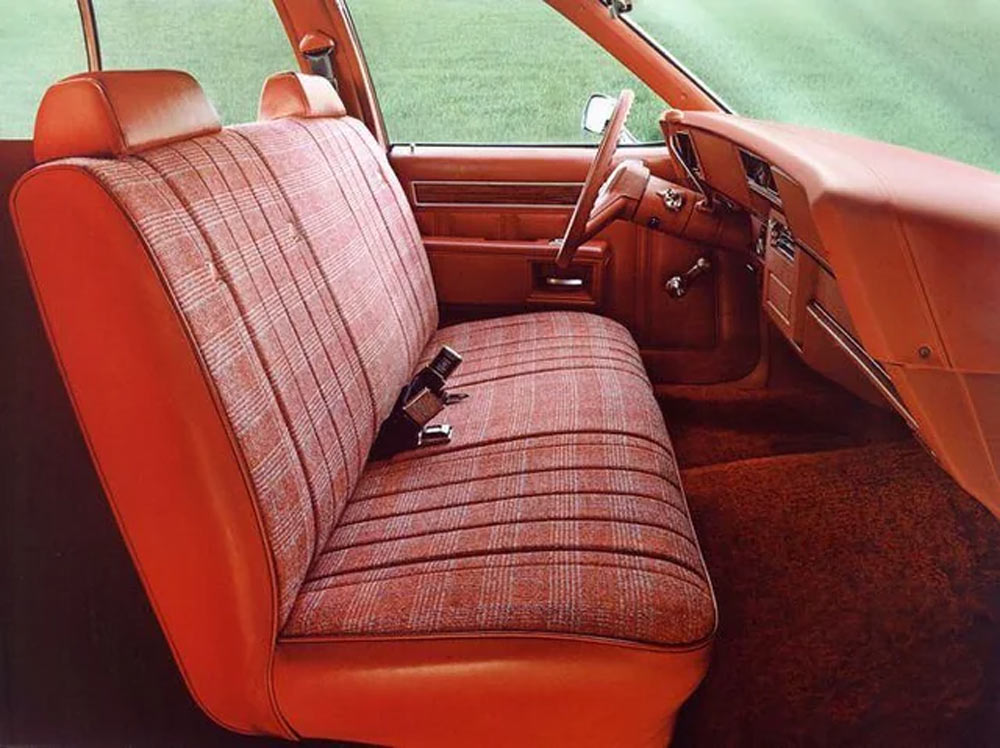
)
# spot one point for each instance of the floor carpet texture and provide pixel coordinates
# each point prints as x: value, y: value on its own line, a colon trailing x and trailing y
x: 858, y: 585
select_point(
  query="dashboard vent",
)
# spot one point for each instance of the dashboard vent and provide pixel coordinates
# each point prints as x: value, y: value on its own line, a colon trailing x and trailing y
x: 685, y: 149
x: 760, y: 177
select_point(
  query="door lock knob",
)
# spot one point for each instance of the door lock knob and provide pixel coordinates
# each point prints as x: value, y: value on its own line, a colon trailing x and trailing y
x: 679, y: 285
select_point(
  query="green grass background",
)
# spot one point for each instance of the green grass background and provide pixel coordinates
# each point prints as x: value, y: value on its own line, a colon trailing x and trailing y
x: 921, y: 73
x: 40, y: 42
x: 230, y: 46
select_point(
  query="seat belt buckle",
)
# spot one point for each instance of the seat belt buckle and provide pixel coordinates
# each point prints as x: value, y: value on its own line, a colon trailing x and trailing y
x: 444, y: 363
x: 423, y: 406
x: 406, y: 426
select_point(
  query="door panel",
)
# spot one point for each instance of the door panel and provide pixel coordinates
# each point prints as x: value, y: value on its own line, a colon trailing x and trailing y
x: 488, y: 215
x: 491, y: 277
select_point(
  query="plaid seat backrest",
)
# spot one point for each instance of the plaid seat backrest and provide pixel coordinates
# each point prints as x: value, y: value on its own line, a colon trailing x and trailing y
x: 293, y: 257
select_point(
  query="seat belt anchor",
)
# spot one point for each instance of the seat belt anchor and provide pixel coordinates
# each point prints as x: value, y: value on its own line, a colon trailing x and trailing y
x: 317, y: 48
x: 430, y: 436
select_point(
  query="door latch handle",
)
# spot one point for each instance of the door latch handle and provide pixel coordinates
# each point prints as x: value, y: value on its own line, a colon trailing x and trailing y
x: 679, y: 285
x: 564, y: 282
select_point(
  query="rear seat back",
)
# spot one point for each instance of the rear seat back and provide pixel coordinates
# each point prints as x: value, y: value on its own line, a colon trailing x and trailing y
x: 274, y: 275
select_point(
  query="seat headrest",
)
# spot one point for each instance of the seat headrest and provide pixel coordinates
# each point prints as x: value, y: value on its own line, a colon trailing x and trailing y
x: 118, y: 113
x: 299, y: 95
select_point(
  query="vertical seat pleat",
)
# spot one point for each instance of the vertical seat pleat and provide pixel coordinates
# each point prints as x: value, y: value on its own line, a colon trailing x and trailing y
x: 384, y: 345
x: 398, y: 214
x: 231, y: 353
x: 400, y: 261
x: 259, y: 274
x: 307, y: 294
x: 362, y: 203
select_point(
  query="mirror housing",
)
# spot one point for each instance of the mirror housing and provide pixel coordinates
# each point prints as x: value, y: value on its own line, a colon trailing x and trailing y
x: 596, y: 115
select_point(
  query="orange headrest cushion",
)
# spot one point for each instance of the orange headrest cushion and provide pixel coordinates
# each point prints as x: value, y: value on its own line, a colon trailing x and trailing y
x: 117, y: 113
x: 299, y: 95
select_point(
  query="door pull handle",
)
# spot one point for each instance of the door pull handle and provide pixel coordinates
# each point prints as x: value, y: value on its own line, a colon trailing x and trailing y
x: 564, y: 282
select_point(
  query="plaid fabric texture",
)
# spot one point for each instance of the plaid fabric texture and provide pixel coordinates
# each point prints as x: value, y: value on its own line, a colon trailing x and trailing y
x: 556, y: 509
x: 297, y: 266
x: 308, y: 293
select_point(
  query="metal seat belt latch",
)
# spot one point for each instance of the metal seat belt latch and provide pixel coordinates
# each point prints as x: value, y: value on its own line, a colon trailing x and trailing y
x: 418, y: 404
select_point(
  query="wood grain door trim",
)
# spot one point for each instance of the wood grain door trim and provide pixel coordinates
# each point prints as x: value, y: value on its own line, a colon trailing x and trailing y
x: 482, y: 194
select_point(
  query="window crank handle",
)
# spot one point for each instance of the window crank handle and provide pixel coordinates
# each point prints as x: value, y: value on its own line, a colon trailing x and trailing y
x: 679, y: 285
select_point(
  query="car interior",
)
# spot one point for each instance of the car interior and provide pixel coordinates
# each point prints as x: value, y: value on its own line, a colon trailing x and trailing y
x: 330, y: 438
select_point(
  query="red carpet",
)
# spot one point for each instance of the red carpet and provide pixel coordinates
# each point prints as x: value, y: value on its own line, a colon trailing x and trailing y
x: 710, y: 427
x: 858, y: 588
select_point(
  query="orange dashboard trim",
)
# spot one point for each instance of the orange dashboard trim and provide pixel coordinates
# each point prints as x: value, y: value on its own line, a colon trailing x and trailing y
x: 912, y: 241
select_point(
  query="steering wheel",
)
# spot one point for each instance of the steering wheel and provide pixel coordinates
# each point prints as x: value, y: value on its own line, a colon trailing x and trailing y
x: 582, y: 226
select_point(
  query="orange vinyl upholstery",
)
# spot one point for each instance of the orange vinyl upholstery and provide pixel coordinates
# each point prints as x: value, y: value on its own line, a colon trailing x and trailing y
x: 118, y: 113
x: 234, y: 312
x: 299, y: 95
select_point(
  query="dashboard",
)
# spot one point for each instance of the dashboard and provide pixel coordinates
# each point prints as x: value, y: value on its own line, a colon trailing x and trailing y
x: 881, y: 266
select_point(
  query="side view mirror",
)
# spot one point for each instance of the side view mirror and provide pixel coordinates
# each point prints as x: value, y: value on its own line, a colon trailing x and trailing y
x: 596, y: 115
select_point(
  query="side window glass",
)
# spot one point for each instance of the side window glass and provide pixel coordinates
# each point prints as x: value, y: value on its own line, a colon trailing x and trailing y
x: 229, y: 46
x: 471, y: 71
x: 40, y: 42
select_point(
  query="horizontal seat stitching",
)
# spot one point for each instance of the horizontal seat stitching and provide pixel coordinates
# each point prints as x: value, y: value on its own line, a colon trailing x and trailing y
x: 530, y: 354
x: 525, y: 320
x: 519, y: 497
x: 488, y: 380
x: 448, y: 459
x: 566, y: 358
x: 311, y: 587
x: 494, y: 476
x: 525, y: 347
x: 320, y: 590
x: 456, y: 555
x: 475, y: 375
x: 508, y: 523
x: 526, y: 341
x: 392, y: 468
x: 417, y: 455
x: 504, y: 323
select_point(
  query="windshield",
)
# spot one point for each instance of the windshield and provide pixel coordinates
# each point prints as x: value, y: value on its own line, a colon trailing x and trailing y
x: 919, y: 73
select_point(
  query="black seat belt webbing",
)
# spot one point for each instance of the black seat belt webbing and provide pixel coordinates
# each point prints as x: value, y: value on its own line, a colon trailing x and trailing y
x: 318, y: 49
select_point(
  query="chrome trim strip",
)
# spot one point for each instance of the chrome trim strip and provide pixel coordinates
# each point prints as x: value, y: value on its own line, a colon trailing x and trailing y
x: 873, y: 369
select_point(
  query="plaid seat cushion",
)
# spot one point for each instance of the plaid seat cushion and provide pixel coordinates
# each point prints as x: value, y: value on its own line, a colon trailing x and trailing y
x: 501, y: 348
x: 557, y: 508
x: 296, y: 264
